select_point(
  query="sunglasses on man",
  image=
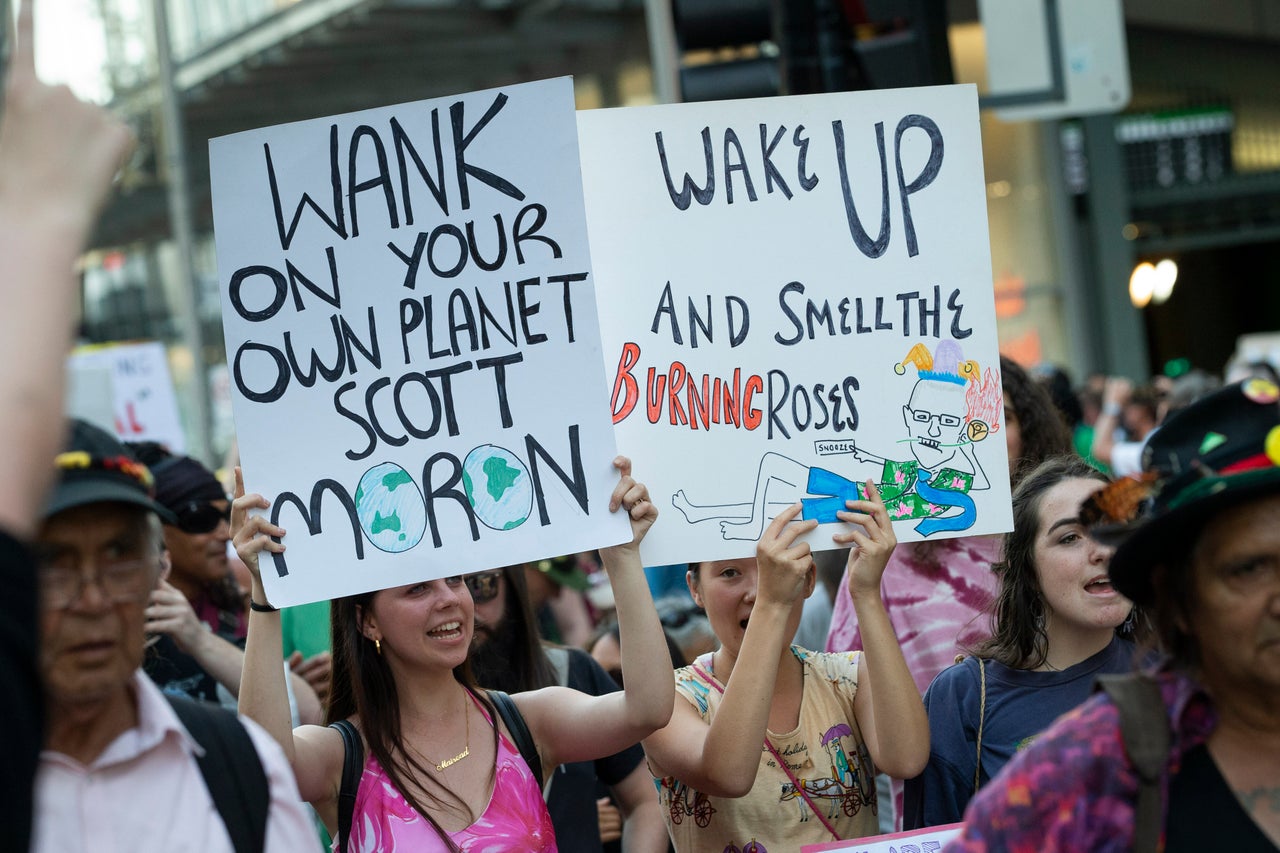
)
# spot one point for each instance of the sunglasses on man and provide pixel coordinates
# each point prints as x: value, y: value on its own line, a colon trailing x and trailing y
x: 201, y: 516
x: 484, y: 586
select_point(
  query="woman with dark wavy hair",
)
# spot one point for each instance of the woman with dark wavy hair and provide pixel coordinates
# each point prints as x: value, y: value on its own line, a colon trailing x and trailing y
x: 402, y: 679
x: 1057, y: 624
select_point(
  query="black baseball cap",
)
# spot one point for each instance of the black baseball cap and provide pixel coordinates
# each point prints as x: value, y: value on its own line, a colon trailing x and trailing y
x: 94, y: 467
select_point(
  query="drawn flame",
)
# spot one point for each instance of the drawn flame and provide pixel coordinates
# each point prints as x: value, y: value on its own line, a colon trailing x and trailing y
x: 983, y: 399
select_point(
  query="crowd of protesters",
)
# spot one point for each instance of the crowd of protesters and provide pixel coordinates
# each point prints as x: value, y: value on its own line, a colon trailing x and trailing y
x: 464, y: 713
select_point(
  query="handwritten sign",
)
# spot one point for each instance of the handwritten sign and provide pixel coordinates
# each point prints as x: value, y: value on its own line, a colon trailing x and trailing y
x: 411, y: 330
x: 139, y: 386
x: 795, y: 297
x: 918, y: 841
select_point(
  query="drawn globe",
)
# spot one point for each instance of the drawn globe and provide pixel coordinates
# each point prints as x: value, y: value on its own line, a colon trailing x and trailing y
x: 390, y: 507
x: 498, y: 486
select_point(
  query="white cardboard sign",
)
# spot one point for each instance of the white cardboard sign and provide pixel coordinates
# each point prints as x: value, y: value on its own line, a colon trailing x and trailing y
x: 143, y: 404
x: 411, y: 331
x: 929, y: 840
x: 796, y: 296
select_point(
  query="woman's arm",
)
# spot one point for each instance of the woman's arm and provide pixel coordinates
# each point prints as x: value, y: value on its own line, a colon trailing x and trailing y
x: 722, y: 759
x: 888, y: 706
x: 314, y: 753
x: 643, y: 829
x: 571, y: 726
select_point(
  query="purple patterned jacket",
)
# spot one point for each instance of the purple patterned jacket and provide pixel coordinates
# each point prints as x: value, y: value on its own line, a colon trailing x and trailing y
x: 1074, y: 789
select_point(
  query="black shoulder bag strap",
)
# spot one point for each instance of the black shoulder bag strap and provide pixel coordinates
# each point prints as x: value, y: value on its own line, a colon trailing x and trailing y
x: 232, y: 771
x: 1144, y: 727
x: 514, y: 721
x: 352, y: 770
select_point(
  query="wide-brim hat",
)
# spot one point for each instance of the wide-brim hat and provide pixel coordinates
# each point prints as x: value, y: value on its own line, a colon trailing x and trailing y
x: 1220, y: 451
x: 93, y: 468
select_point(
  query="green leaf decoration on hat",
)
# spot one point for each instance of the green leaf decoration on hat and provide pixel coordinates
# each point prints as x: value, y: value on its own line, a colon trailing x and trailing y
x: 1211, y: 440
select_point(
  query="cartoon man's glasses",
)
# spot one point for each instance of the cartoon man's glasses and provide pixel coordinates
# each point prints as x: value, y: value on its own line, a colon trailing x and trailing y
x: 920, y: 416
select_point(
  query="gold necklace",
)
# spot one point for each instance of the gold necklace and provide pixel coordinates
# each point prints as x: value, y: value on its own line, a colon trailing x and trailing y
x: 466, y: 750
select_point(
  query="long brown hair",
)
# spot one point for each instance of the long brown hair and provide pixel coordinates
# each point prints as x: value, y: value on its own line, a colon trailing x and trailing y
x: 1044, y: 430
x: 1018, y: 637
x: 364, y: 686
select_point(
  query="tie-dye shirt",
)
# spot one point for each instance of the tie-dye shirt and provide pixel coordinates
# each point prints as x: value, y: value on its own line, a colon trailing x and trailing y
x: 936, y: 604
x: 515, y: 819
x: 1074, y: 788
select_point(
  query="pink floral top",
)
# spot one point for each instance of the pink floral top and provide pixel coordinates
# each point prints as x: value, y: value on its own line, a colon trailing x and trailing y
x: 516, y: 818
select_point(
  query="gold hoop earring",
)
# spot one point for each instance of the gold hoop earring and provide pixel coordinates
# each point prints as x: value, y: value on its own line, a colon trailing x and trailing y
x: 377, y: 645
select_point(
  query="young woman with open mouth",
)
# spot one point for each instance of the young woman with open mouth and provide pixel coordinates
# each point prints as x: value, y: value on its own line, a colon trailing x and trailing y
x: 1057, y: 625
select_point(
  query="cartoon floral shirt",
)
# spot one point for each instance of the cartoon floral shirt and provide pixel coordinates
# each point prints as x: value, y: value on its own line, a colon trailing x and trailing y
x: 1074, y: 788
x: 825, y: 753
x: 905, y: 492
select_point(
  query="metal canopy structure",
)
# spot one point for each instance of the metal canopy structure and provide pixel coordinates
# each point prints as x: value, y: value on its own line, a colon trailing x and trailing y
x: 324, y: 57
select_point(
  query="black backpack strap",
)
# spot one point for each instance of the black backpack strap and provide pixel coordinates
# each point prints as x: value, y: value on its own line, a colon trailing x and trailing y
x: 352, y: 770
x: 515, y: 723
x: 1144, y: 727
x: 232, y: 771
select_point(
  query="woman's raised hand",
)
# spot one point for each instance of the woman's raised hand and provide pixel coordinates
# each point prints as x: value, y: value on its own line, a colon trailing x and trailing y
x: 784, y: 562
x: 871, y: 540
x: 252, y: 534
x: 633, y: 497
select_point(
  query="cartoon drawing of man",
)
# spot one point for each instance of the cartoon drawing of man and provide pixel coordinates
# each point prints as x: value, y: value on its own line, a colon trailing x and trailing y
x: 949, y: 407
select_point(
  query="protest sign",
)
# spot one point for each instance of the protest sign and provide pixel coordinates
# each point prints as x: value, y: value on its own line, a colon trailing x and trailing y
x: 795, y: 296
x: 928, y: 840
x: 139, y: 386
x: 416, y: 373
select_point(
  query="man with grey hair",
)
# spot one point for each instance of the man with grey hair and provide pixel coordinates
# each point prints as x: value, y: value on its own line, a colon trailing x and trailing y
x: 123, y: 767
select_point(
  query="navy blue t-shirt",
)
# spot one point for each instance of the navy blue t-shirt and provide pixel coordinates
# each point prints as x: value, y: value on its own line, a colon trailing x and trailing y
x: 1020, y: 705
x: 572, y: 801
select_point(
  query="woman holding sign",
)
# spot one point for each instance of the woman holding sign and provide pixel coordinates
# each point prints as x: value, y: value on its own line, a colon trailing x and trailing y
x: 1057, y: 625
x: 445, y: 770
x: 773, y: 745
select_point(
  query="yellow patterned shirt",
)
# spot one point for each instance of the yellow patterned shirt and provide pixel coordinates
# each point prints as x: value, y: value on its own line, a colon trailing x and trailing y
x: 825, y: 752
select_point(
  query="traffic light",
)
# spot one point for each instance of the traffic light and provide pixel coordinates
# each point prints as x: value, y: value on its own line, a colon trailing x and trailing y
x: 898, y: 43
x: 707, y: 31
x: 756, y: 48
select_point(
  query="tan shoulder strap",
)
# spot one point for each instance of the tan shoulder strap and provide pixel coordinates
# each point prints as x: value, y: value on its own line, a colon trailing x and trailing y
x: 982, y: 716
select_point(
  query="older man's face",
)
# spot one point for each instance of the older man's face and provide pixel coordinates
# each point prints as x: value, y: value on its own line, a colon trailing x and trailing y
x: 1235, y: 613
x: 98, y: 564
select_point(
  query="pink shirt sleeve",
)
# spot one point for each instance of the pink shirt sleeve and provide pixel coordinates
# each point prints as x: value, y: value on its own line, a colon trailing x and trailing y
x: 844, y: 625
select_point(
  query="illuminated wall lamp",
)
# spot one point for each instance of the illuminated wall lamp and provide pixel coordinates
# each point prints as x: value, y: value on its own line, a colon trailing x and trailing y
x: 1152, y: 283
x: 1166, y: 276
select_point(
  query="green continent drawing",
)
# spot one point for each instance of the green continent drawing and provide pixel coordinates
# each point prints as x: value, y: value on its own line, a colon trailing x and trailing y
x: 498, y: 486
x: 390, y: 508
x: 391, y: 522
x: 499, y: 476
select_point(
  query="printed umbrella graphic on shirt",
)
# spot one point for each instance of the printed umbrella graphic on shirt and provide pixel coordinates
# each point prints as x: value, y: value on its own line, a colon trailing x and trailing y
x: 836, y: 731
x: 840, y: 762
